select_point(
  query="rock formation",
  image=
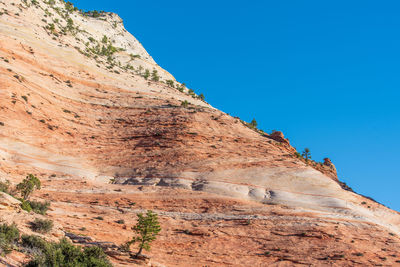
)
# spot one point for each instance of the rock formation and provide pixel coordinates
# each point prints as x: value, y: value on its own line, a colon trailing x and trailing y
x: 110, y: 133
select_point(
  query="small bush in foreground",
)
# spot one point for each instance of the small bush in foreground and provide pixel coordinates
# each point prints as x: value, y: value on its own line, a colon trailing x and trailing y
x: 9, y: 235
x: 33, y: 242
x: 35, y: 206
x: 39, y: 207
x: 65, y: 253
x: 42, y: 225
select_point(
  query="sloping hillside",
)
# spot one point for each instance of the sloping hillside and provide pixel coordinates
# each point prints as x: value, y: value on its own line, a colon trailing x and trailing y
x: 83, y: 105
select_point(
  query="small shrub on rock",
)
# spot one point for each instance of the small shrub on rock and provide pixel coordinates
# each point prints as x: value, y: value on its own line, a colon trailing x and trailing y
x: 170, y: 83
x: 154, y: 76
x: 33, y: 242
x: 146, y: 74
x: 42, y: 225
x: 9, y: 235
x: 5, y: 186
x: 184, y: 104
x: 64, y: 253
x: 39, y: 207
x: 25, y: 205
x: 253, y: 124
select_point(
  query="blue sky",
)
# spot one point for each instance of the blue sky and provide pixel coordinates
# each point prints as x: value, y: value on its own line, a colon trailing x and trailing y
x: 326, y: 73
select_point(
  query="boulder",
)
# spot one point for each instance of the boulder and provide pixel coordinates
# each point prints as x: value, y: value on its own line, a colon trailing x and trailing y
x: 328, y: 163
x: 279, y: 137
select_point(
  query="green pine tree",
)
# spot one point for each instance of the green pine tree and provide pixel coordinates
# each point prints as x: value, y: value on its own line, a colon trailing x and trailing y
x: 154, y: 76
x: 253, y: 123
x: 146, y: 229
x: 306, y: 154
x: 28, y: 185
x: 146, y: 74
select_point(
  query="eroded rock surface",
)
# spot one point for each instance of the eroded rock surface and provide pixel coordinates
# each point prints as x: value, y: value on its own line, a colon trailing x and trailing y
x: 226, y: 194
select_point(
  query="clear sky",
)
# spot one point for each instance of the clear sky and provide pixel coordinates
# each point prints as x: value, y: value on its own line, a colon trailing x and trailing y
x: 326, y: 73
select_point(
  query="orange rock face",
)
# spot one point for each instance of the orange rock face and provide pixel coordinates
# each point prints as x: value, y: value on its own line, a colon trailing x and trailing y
x: 107, y: 143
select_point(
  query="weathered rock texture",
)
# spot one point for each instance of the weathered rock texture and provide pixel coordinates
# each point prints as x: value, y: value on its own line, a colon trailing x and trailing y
x: 79, y: 117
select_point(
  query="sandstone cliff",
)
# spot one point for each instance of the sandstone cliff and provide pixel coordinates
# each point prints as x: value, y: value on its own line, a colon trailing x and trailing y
x: 78, y: 110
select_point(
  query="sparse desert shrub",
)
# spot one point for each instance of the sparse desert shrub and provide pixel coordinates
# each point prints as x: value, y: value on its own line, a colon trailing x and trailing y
x: 42, y: 225
x: 201, y: 97
x: 35, y: 206
x: 120, y: 221
x: 51, y: 27
x: 154, y: 76
x: 146, y: 74
x: 253, y: 124
x: 28, y: 185
x: 33, y: 242
x: 134, y: 56
x: 69, y: 7
x: 5, y: 186
x: 181, y: 87
x: 184, y: 104
x: 146, y: 229
x: 70, y: 24
x: 104, y: 40
x: 25, y: 205
x: 39, y: 207
x: 170, y: 83
x: 94, y: 13
x: 65, y: 253
x: 9, y: 235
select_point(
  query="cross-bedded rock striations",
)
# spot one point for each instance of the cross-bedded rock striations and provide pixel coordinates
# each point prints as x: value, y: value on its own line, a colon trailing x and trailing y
x: 82, y: 104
